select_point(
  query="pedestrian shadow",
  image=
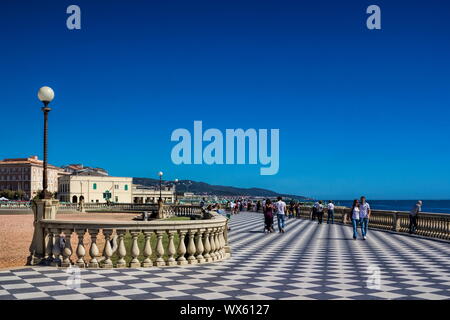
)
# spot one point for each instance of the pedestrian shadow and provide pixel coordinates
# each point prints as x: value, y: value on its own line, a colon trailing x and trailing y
x: 331, y: 238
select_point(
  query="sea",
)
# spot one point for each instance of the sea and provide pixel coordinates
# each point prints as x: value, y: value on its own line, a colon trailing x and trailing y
x: 435, y: 206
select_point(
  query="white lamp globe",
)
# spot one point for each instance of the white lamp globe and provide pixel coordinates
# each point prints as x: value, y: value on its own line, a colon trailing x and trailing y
x: 160, y: 173
x: 46, y: 94
x: 176, y: 180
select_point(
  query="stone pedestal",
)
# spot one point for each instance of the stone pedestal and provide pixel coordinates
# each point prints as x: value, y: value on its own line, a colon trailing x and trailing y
x: 160, y: 214
x: 81, y: 206
x: 42, y: 209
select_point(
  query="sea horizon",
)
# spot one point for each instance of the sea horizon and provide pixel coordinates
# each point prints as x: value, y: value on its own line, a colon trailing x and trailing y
x: 431, y: 206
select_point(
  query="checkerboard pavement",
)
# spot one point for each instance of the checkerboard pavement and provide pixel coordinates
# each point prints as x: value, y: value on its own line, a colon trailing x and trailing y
x: 309, y: 261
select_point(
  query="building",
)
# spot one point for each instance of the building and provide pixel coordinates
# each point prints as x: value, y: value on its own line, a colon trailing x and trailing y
x: 26, y: 174
x: 94, y: 188
x: 79, y: 169
x: 144, y: 194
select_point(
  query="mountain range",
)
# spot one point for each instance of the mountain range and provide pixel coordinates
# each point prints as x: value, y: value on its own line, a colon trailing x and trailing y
x: 199, y: 187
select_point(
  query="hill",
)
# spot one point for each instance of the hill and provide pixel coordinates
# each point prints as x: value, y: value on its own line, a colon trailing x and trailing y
x: 199, y: 187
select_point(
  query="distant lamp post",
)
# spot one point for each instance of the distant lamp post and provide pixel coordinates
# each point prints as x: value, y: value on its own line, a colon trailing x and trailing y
x: 187, y: 185
x: 175, y: 189
x: 160, y: 185
x: 46, y: 95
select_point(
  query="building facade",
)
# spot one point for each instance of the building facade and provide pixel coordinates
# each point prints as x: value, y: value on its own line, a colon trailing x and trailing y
x: 25, y: 174
x: 143, y: 194
x: 80, y: 169
x: 94, y: 189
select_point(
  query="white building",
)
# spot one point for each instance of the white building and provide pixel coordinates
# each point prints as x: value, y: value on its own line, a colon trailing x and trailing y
x: 94, y: 189
x: 143, y: 194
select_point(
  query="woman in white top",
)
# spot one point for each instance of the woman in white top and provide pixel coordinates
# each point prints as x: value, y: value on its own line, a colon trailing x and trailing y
x: 355, y: 218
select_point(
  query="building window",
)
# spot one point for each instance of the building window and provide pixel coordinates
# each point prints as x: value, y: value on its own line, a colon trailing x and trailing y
x: 117, y: 199
x: 95, y: 186
x: 126, y: 187
x: 116, y: 186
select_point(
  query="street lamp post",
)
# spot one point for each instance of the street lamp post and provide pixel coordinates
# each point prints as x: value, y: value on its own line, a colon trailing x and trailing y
x: 46, y: 95
x: 160, y: 185
x: 175, y: 189
x: 187, y: 185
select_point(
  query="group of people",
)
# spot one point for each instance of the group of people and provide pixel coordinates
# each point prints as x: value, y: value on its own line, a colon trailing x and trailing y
x: 270, y: 209
x: 318, y: 211
x: 359, y: 215
x: 243, y: 204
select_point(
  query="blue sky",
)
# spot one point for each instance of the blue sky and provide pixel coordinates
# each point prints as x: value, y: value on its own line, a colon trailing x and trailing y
x: 359, y: 111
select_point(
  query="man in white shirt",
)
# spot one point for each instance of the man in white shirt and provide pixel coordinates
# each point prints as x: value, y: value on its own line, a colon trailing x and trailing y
x: 413, y: 216
x: 319, y: 211
x: 280, y: 206
x: 364, y: 216
x: 330, y: 212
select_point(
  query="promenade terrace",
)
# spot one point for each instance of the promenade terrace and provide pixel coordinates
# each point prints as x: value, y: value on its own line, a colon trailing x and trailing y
x: 309, y: 261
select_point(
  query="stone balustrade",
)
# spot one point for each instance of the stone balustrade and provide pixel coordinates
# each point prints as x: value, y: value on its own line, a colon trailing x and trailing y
x: 168, y: 210
x: 434, y: 225
x: 182, y: 210
x: 150, y: 243
x: 69, y: 206
x: 15, y: 205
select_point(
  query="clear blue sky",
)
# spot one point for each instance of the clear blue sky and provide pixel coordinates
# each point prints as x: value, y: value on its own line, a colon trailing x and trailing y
x: 359, y: 111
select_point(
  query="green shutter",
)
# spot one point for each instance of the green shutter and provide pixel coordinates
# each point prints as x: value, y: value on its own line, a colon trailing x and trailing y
x: 126, y: 187
x: 95, y: 186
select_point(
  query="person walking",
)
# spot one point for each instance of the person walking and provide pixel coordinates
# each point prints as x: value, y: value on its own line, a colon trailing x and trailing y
x: 280, y: 206
x: 330, y: 212
x: 268, y: 216
x: 232, y: 205
x: 364, y: 215
x: 297, y: 210
x: 291, y: 209
x: 319, y: 211
x: 314, y: 211
x: 355, y: 218
x: 413, y: 217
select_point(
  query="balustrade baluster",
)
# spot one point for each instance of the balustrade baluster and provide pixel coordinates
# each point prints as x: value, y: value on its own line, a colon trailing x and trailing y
x: 56, y: 250
x: 159, y: 249
x: 191, y: 248
x: 107, y: 251
x: 199, y: 245
x: 121, y: 250
x: 216, y: 239
x: 48, y: 246
x: 212, y: 242
x: 147, y: 250
x: 93, y: 251
x: 222, y: 242
x: 67, y: 251
x: 134, y: 263
x: 181, y: 249
x: 206, y: 246
x: 171, y: 250
x: 81, y: 251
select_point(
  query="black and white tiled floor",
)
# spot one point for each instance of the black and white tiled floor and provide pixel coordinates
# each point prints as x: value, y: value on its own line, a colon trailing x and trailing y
x: 309, y: 261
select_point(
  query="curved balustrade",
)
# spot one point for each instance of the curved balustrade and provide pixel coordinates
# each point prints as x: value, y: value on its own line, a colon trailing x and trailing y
x: 168, y: 209
x: 139, y: 244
